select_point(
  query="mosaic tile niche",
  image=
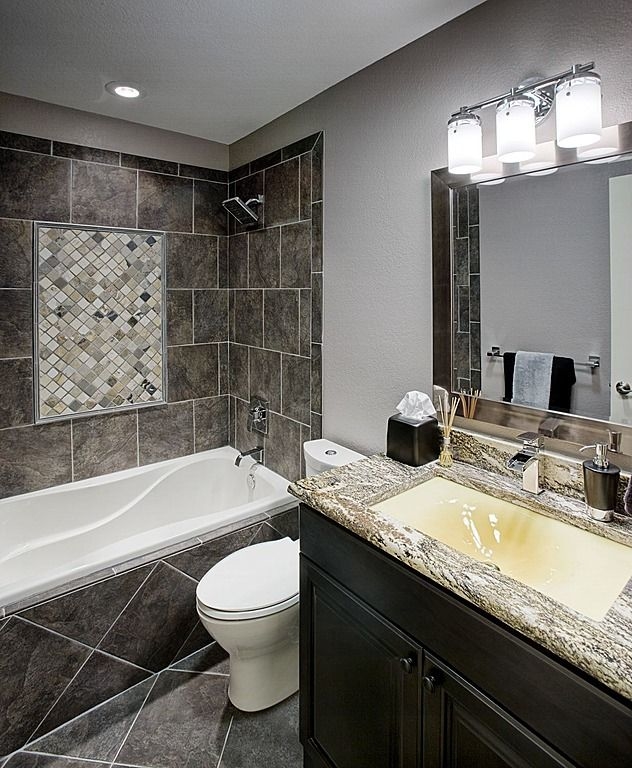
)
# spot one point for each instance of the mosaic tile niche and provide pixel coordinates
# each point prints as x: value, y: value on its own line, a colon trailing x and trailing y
x: 99, y: 320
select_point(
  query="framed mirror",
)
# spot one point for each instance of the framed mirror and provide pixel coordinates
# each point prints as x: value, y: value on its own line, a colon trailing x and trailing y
x: 532, y: 290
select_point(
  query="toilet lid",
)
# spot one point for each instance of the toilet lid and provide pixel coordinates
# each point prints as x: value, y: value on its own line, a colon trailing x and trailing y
x: 252, y: 578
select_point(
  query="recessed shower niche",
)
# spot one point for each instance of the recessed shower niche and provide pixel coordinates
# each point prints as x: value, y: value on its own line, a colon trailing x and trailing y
x: 99, y: 336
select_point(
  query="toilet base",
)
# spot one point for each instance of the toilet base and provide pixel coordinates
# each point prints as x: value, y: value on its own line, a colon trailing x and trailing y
x: 263, y: 681
x: 263, y: 657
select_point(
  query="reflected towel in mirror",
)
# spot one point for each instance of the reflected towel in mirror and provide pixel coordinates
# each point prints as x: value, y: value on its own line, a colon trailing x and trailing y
x: 562, y: 380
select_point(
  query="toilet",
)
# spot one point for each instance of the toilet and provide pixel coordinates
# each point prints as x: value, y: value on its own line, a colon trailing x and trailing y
x: 248, y: 602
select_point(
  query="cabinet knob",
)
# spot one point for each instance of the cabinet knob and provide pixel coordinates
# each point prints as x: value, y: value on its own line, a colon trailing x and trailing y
x: 431, y: 682
x: 407, y: 663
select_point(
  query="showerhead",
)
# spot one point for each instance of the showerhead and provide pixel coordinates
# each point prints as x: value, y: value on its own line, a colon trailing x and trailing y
x: 243, y: 211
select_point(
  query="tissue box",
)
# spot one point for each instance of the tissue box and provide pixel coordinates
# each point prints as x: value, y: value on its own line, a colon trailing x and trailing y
x: 413, y: 441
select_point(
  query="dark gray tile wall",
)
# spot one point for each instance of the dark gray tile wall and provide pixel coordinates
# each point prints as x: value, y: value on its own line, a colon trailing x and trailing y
x: 275, y: 304
x: 466, y: 275
x: 69, y: 654
x: 44, y: 180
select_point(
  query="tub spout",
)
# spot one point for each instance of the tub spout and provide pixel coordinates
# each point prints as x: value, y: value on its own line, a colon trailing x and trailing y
x: 251, y: 452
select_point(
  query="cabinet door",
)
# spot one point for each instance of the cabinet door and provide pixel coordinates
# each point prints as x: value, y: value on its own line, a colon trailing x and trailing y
x: 360, y: 689
x: 462, y: 728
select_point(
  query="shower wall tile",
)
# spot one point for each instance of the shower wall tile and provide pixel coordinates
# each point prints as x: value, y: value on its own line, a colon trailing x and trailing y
x: 316, y: 383
x: 249, y: 317
x: 305, y: 185
x: 238, y: 261
x: 290, y: 273
x: 179, y: 317
x: 193, y: 371
x: 265, y: 376
x: 224, y: 387
x: 211, y: 423
x: 282, y: 193
x: 239, y: 383
x: 211, y: 316
x: 34, y: 186
x: 16, y: 392
x: 206, y: 174
x: 78, y: 152
x: 296, y: 372
x: 317, y: 237
x: 210, y: 216
x: 317, y: 169
x: 286, y: 523
x: 296, y: 256
x: 165, y: 202
x: 34, y: 457
x: 191, y: 261
x: 283, y: 446
x: 16, y: 253
x: 165, y: 432
x: 105, y: 443
x: 282, y: 321
x: 35, y: 667
x: 26, y: 143
x: 264, y: 258
x: 152, y: 627
x: 149, y: 164
x: 103, y: 195
x: 223, y: 263
x: 198, y: 561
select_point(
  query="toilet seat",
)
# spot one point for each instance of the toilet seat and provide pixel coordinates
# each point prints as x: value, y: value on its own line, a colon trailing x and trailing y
x: 253, y: 582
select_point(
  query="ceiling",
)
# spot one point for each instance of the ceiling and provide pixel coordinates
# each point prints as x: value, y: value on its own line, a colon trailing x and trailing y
x: 217, y: 69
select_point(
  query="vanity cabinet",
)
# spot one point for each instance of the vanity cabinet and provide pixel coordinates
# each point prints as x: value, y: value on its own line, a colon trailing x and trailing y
x: 397, y: 672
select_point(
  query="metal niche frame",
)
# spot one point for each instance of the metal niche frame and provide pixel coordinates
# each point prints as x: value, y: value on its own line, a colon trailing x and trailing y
x: 126, y: 406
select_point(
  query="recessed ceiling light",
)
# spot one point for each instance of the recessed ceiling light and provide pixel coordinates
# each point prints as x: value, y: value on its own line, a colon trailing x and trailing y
x: 124, y: 90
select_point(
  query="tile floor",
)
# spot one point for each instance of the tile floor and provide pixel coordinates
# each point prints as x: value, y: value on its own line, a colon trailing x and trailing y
x: 178, y: 718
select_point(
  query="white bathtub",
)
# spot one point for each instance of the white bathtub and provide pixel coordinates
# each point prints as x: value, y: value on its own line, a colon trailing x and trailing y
x: 51, y: 537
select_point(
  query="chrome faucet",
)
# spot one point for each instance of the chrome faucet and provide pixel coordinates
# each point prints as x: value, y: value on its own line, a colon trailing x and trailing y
x: 251, y: 452
x: 258, y: 416
x: 527, y: 461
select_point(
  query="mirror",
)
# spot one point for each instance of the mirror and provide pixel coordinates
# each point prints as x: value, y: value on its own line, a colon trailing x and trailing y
x: 536, y: 270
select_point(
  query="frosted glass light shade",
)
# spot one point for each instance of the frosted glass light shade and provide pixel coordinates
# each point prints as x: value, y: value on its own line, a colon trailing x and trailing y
x: 515, y: 129
x: 578, y: 110
x: 465, y: 144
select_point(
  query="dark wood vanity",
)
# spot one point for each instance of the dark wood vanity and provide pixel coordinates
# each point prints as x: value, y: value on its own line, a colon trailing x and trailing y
x: 398, y: 672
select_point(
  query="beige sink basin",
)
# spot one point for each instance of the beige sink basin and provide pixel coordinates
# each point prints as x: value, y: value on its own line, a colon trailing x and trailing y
x: 579, y: 569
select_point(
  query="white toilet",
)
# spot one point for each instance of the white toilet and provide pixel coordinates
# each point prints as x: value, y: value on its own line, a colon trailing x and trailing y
x: 249, y: 603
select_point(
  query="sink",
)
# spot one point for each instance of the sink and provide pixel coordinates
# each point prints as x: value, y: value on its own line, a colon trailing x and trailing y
x: 583, y: 571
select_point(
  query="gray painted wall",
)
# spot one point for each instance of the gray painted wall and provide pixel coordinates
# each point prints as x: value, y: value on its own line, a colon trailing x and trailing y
x: 37, y: 118
x: 385, y: 131
x: 545, y: 275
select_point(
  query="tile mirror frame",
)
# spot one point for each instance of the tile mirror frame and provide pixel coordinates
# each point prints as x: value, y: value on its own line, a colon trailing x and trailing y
x: 161, y: 399
x: 494, y: 418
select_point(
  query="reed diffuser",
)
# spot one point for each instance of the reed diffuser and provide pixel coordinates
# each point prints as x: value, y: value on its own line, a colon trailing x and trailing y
x: 469, y: 401
x: 447, y: 419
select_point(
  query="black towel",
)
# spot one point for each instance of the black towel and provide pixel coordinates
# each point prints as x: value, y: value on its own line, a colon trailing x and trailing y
x: 562, y: 380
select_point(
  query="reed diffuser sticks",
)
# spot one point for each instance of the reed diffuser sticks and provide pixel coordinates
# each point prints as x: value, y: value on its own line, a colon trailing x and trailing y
x: 469, y: 401
x: 447, y: 413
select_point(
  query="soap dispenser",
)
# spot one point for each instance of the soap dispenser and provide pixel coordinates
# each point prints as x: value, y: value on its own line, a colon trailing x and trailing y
x: 601, y: 483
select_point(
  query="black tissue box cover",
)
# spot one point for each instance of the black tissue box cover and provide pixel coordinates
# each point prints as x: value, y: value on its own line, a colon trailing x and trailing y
x: 413, y: 441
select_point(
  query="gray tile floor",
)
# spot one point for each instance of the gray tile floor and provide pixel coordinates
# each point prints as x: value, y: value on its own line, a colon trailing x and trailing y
x: 178, y: 718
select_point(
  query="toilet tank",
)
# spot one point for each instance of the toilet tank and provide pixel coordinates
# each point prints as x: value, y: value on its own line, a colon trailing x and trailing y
x: 321, y: 455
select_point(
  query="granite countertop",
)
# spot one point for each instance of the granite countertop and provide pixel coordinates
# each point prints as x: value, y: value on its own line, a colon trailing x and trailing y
x: 601, y: 649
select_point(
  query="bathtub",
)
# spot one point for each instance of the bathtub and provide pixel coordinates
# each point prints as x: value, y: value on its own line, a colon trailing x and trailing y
x: 52, y: 537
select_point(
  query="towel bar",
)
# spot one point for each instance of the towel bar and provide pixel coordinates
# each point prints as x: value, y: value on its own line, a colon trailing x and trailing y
x: 593, y: 362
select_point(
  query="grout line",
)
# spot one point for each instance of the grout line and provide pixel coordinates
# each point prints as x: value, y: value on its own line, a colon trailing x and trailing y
x: 173, y: 567
x: 65, y: 758
x: 221, y: 755
x: 142, y: 706
x: 126, y: 606
x: 137, y: 191
x: 174, y: 661
x: 72, y: 679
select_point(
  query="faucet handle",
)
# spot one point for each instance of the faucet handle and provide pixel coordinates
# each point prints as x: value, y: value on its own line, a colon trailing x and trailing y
x: 531, y: 439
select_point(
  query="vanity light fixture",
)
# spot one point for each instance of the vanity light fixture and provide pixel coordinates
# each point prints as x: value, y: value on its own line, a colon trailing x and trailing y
x: 487, y: 179
x: 576, y: 94
x: 124, y: 90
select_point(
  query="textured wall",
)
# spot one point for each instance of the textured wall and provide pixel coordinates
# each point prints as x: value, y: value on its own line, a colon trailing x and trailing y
x: 28, y: 116
x: 385, y: 129
x: 55, y: 181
